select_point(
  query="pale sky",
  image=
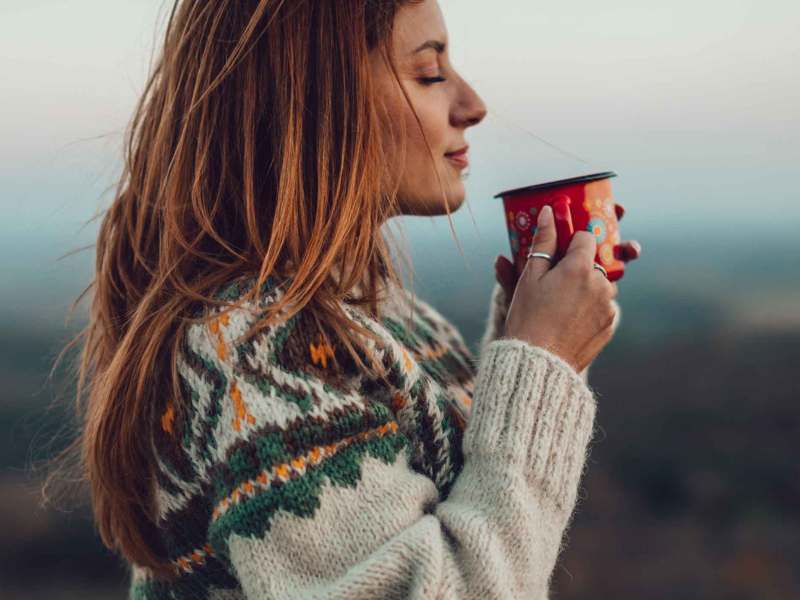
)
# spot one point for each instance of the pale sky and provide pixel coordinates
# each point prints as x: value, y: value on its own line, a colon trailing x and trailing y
x: 693, y: 103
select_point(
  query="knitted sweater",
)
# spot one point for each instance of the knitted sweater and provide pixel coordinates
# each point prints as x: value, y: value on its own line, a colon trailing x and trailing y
x: 289, y: 479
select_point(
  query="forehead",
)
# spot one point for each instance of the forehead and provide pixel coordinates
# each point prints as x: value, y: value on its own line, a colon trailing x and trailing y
x: 416, y: 23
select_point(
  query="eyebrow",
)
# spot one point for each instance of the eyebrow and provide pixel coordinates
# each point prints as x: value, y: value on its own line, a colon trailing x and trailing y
x: 435, y: 44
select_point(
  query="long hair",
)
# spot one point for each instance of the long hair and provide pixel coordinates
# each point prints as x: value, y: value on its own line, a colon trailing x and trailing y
x: 258, y: 146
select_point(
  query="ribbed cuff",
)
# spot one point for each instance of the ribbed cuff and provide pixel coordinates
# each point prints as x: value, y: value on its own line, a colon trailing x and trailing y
x: 531, y: 412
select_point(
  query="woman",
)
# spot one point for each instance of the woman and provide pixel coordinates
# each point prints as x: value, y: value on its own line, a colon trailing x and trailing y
x: 269, y: 413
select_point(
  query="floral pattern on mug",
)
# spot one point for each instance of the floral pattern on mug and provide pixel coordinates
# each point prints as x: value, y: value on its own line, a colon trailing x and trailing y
x: 514, y: 241
x: 606, y: 253
x: 599, y: 205
x: 597, y: 226
x: 523, y: 221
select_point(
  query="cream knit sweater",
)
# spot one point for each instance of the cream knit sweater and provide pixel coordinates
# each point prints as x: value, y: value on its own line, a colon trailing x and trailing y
x: 289, y: 480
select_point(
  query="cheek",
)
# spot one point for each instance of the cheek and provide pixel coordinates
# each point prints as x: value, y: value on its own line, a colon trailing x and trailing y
x: 434, y: 119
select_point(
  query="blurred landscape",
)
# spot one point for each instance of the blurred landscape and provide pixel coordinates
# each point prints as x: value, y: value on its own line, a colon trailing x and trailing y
x: 691, y: 490
x: 693, y: 486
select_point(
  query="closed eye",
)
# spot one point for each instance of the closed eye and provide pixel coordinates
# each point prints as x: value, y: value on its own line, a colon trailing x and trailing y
x: 431, y: 80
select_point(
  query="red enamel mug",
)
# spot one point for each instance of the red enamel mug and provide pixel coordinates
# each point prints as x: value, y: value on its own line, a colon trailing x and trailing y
x: 579, y: 203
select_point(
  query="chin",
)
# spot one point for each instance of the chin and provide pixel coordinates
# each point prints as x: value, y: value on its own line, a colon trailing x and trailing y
x: 436, y: 207
x: 454, y: 203
x: 455, y: 198
x: 431, y: 203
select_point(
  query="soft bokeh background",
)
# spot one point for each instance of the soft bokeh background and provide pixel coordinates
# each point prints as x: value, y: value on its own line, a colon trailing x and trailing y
x: 693, y: 487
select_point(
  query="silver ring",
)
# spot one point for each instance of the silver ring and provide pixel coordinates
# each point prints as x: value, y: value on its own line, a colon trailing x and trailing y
x: 601, y: 269
x: 532, y: 254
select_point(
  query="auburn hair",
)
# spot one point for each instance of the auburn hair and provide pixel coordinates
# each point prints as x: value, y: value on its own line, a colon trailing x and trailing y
x: 258, y: 146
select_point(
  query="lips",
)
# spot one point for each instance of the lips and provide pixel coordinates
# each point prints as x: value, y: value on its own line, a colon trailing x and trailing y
x: 459, y: 152
x: 459, y: 157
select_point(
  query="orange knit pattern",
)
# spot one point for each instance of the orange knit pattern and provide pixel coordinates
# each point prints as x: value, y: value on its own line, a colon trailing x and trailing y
x: 168, y: 418
x: 320, y: 353
x: 295, y: 466
x: 216, y: 328
x: 241, y: 409
x: 196, y: 557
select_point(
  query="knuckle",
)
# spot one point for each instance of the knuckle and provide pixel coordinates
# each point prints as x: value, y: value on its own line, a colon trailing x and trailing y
x: 611, y: 314
x: 587, y: 237
x: 604, y: 315
x: 599, y: 283
x: 544, y: 233
x: 605, y: 327
x: 577, y: 269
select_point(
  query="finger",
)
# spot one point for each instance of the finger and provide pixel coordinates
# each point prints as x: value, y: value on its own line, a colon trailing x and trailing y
x: 544, y: 240
x: 611, y: 287
x: 636, y: 250
x: 582, y: 248
x: 627, y: 251
x: 506, y: 275
x: 511, y: 270
x: 613, y: 291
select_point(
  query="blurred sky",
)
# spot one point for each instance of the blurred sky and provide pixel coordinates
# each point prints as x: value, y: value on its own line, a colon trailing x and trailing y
x: 694, y: 104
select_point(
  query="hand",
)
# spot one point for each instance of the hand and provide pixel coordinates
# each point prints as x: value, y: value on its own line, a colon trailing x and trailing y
x: 569, y: 308
x: 507, y: 277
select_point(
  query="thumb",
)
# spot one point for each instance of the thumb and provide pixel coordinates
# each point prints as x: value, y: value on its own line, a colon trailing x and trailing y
x: 506, y: 275
x: 544, y: 240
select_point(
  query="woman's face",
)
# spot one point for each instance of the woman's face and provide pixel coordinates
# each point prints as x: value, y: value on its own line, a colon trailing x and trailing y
x: 446, y: 106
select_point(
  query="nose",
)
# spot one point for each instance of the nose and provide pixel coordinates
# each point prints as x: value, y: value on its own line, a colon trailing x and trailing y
x: 469, y: 109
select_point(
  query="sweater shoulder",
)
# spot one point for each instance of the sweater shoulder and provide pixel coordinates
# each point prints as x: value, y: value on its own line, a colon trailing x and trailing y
x: 263, y: 410
x: 227, y: 378
x: 285, y: 371
x: 286, y: 375
x: 251, y: 404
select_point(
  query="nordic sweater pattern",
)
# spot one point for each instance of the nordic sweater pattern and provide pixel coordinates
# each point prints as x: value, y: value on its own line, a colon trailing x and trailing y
x: 288, y: 478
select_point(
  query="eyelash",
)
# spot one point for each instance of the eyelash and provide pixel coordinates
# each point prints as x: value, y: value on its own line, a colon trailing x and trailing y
x: 431, y: 80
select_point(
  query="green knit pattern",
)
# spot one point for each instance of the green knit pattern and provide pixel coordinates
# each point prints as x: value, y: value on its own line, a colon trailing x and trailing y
x: 274, y: 420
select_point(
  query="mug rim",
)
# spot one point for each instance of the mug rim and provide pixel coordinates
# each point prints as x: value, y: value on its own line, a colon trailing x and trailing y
x: 570, y: 180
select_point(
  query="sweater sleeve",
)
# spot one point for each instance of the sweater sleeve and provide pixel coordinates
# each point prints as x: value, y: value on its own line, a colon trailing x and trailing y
x: 315, y: 496
x: 496, y: 320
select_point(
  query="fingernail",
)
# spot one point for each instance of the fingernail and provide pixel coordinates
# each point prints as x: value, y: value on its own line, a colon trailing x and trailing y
x: 638, y: 247
x: 544, y: 216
